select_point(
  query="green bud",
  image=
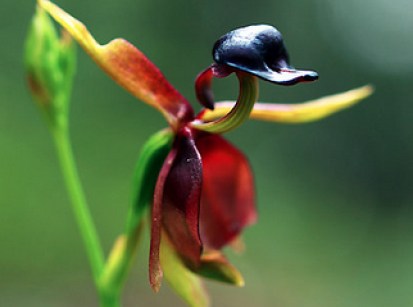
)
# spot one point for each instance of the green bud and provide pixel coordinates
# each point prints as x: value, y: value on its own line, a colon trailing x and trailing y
x: 50, y: 67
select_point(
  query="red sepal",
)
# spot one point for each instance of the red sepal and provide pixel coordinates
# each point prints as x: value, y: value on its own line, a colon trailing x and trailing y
x: 155, y: 271
x: 228, y: 196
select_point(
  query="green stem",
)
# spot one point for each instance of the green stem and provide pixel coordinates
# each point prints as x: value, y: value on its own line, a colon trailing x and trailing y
x: 109, y: 299
x: 124, y: 250
x: 118, y: 266
x: 79, y: 204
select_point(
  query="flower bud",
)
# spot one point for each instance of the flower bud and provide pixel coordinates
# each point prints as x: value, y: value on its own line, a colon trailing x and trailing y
x: 50, y: 63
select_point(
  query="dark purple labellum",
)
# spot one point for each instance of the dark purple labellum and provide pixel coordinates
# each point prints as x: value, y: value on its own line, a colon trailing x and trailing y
x: 260, y: 51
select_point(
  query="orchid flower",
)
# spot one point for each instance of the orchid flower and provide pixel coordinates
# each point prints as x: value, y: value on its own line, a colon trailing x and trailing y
x: 198, y: 186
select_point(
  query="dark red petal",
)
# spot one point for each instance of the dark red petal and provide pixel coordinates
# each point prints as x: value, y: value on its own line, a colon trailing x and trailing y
x: 155, y: 271
x: 203, y: 88
x: 181, y: 202
x: 228, y: 196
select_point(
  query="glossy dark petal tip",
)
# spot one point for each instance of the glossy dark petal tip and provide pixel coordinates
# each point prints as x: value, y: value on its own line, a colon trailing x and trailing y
x: 289, y: 76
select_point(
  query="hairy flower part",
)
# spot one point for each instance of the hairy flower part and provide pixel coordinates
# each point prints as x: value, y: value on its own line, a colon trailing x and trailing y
x: 204, y: 196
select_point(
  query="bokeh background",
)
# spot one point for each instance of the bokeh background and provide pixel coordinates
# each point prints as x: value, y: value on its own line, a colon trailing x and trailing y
x: 335, y: 197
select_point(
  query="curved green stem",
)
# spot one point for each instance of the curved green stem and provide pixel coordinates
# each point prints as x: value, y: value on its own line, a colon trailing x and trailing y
x: 118, y: 266
x: 124, y: 250
x: 247, y: 97
x: 78, y: 200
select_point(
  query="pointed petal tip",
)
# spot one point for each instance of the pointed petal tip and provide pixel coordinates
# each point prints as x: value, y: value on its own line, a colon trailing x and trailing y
x: 155, y: 287
x: 311, y: 76
x: 289, y: 76
x: 215, y: 266
x: 203, y: 88
x: 240, y: 283
x: 296, y: 113
x: 156, y: 282
x: 368, y: 89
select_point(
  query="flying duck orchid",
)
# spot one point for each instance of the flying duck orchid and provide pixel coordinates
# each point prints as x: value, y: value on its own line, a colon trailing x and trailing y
x: 198, y: 187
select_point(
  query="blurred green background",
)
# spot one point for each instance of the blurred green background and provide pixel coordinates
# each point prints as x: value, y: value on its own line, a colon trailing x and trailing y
x: 335, y: 197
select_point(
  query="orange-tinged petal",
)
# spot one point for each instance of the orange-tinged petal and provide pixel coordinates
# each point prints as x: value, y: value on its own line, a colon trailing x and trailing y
x: 296, y: 113
x: 129, y: 67
x: 215, y: 266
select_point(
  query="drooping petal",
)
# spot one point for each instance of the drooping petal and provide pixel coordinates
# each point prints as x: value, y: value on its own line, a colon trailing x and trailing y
x: 155, y: 271
x: 214, y: 265
x: 187, y: 284
x: 228, y: 196
x: 181, y: 201
x: 295, y: 113
x: 203, y: 88
x: 129, y: 67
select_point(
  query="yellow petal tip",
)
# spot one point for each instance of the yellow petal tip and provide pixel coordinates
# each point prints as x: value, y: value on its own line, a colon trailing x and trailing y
x: 311, y: 110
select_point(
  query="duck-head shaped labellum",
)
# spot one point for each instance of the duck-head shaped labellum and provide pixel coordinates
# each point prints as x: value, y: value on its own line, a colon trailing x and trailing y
x: 260, y: 51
